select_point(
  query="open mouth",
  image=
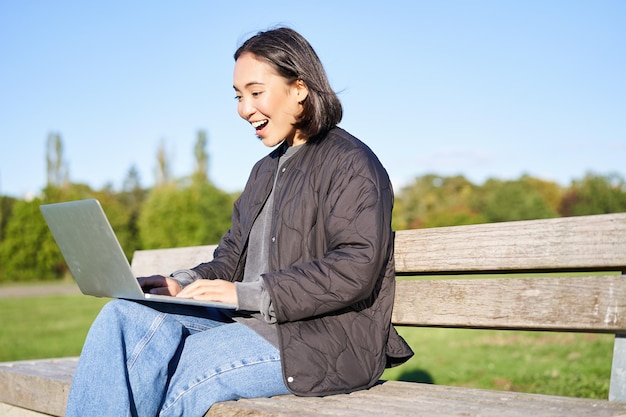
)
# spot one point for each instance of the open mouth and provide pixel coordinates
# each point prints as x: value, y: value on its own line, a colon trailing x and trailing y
x: 259, y: 125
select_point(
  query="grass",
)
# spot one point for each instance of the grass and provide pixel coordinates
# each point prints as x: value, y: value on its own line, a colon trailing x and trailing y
x: 45, y: 326
x: 569, y: 364
x: 549, y: 363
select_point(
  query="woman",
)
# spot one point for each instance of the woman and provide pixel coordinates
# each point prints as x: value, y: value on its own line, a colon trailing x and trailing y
x: 308, y: 261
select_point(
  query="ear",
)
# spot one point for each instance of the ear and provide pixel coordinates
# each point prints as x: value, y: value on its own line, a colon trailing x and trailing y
x: 302, y: 91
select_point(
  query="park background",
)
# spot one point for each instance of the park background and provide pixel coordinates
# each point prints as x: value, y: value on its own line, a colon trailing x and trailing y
x: 482, y: 111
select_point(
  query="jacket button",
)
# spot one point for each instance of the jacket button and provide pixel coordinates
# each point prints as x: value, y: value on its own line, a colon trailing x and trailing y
x: 273, y: 238
x: 290, y: 379
x: 283, y: 170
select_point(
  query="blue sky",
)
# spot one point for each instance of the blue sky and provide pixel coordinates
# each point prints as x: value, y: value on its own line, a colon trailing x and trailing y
x: 486, y: 89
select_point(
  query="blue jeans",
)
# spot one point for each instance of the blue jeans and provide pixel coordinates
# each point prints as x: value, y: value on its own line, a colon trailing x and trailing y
x: 157, y: 359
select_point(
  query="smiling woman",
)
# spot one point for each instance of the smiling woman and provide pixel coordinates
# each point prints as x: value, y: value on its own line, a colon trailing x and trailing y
x: 270, y: 103
x: 308, y: 261
x: 290, y: 69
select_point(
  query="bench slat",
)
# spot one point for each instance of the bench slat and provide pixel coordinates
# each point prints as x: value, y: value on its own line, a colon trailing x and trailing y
x: 7, y: 410
x: 166, y: 261
x: 40, y: 385
x: 589, y: 304
x: 583, y: 243
x: 569, y: 243
x: 415, y: 399
x: 390, y: 398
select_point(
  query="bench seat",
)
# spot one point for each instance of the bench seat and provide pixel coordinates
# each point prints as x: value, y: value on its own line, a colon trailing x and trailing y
x: 44, y: 383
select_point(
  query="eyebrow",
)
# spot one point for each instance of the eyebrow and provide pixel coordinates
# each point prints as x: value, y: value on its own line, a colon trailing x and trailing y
x: 249, y: 84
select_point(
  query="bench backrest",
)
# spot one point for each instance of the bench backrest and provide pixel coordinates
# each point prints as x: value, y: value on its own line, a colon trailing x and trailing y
x: 479, y: 276
x: 558, y: 250
x: 555, y: 251
x: 165, y: 261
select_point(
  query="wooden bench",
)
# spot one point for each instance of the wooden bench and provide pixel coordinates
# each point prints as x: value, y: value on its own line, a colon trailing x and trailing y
x: 594, y: 302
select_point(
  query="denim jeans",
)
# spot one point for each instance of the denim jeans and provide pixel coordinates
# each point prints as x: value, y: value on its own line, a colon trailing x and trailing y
x: 157, y: 359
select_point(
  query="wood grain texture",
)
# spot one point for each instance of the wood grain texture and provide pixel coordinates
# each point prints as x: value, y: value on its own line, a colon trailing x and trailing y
x: 583, y: 243
x: 589, y: 304
x: 166, y: 261
x: 420, y: 400
x: 388, y: 398
x: 571, y: 243
x: 7, y: 410
x: 38, y: 385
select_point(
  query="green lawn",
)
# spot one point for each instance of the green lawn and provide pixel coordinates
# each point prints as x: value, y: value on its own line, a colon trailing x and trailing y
x: 569, y: 364
x: 45, y: 326
x: 549, y: 363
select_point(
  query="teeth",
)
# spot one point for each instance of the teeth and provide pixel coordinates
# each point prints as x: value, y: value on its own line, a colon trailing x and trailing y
x: 258, y: 124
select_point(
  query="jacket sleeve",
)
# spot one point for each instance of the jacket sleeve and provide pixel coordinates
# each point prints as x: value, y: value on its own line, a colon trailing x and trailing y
x: 356, y: 221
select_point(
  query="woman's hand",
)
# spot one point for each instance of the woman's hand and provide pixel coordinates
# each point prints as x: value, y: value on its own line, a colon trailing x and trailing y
x: 158, y: 284
x: 212, y: 290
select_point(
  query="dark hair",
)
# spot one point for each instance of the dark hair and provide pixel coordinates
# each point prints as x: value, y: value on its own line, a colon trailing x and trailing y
x: 294, y: 59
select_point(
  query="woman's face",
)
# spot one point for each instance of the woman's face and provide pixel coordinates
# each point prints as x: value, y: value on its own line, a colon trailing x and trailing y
x: 267, y: 101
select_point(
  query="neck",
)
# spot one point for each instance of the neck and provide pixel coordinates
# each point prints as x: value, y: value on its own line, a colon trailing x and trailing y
x: 296, y: 139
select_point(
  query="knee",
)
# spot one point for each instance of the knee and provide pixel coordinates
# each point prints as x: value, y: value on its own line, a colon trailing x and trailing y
x: 119, y: 310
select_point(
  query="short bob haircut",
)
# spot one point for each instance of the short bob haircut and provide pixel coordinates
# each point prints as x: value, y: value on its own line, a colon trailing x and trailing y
x: 293, y: 58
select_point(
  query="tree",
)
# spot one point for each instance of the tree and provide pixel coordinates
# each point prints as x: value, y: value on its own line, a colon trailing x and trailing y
x: 551, y: 192
x: 185, y: 213
x: 595, y: 194
x: 433, y: 200
x: 132, y: 198
x: 173, y: 216
x: 121, y: 218
x: 6, y: 208
x: 202, y: 158
x: 522, y: 199
x: 29, y: 251
x: 132, y: 182
x: 163, y: 174
x: 69, y: 191
x: 57, y: 170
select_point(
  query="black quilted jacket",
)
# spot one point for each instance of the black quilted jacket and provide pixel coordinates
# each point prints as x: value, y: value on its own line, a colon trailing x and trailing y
x: 333, y: 283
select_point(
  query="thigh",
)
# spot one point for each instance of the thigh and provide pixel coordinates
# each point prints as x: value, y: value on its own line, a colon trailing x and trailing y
x: 130, y: 347
x: 134, y: 348
x: 225, y: 363
x: 136, y: 320
x: 193, y: 318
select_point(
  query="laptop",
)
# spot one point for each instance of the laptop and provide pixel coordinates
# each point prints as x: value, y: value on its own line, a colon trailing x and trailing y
x: 94, y: 255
